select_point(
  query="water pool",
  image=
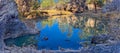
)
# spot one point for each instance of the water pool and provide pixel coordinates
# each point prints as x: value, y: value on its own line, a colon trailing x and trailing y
x: 64, y: 31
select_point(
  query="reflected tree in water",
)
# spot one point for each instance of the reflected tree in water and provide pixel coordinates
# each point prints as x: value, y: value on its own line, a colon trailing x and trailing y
x: 89, y: 25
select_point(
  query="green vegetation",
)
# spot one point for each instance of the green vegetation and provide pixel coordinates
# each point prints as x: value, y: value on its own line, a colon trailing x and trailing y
x: 51, y: 3
x: 100, y: 2
x: 35, y: 5
x: 96, y: 3
x: 47, y: 3
x: 59, y: 7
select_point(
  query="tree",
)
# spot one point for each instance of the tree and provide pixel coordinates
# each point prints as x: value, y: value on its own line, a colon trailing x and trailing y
x: 26, y: 5
x: 96, y: 3
x: 63, y: 1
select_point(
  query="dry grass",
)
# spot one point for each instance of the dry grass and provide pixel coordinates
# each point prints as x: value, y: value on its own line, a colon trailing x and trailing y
x: 34, y: 13
x: 51, y: 12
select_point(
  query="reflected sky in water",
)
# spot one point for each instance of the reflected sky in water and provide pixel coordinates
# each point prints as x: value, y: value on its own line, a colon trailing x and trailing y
x: 57, y: 38
x: 66, y: 31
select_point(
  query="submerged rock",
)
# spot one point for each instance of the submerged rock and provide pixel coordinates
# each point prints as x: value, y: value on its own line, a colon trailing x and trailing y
x: 45, y: 38
x: 10, y: 24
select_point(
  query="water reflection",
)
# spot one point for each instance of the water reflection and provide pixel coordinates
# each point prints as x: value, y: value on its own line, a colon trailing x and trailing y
x: 75, y: 29
x: 67, y: 31
x: 88, y: 25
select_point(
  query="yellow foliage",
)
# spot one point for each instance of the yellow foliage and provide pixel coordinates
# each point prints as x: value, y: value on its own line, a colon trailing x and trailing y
x: 91, y: 6
x: 90, y: 23
x: 52, y: 12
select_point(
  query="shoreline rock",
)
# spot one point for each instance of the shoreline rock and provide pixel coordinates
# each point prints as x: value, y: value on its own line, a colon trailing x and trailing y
x: 99, y: 48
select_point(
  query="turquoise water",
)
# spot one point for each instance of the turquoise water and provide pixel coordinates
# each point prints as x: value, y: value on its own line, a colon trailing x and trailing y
x: 62, y: 32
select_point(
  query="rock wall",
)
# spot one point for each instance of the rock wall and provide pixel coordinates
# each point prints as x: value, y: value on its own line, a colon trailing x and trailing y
x: 112, y: 6
x: 10, y: 24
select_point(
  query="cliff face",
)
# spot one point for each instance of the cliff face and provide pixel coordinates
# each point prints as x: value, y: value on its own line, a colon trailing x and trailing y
x: 10, y: 25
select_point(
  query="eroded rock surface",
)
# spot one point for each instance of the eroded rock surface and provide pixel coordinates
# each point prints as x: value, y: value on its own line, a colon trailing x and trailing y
x: 10, y: 24
x: 112, y: 6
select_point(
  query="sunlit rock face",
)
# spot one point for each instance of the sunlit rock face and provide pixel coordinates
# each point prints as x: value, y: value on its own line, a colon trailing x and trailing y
x: 90, y: 6
x: 90, y: 23
x: 112, y: 6
x: 10, y: 25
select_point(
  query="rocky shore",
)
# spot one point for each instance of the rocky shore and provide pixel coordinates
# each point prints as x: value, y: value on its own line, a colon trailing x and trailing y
x: 103, y: 43
x: 11, y: 27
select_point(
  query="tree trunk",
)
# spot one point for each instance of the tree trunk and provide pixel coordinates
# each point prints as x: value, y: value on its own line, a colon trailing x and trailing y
x: 95, y: 5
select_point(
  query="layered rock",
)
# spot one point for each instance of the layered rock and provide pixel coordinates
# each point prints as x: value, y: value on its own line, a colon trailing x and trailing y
x: 10, y: 25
